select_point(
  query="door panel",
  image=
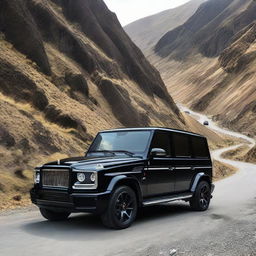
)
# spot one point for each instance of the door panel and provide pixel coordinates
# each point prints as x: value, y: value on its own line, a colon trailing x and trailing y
x: 159, y: 177
x: 183, y: 178
x: 183, y: 165
x: 186, y: 170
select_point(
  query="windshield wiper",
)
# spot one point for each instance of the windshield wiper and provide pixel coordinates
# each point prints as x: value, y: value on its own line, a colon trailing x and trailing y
x: 103, y: 151
x: 113, y: 152
x: 123, y: 151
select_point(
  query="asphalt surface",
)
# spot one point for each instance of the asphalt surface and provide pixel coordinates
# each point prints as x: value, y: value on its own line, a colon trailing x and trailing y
x: 227, y: 228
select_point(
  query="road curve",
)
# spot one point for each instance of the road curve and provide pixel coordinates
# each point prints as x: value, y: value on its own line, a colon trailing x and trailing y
x: 212, y: 125
x: 227, y: 228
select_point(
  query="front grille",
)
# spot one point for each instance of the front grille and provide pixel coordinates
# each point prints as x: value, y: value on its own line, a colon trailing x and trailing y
x: 58, y: 178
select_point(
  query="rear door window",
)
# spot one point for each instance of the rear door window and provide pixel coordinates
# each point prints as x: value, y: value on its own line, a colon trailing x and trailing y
x: 200, y: 147
x: 181, y: 145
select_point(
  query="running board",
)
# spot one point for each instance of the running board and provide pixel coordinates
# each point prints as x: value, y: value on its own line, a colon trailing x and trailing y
x: 166, y: 199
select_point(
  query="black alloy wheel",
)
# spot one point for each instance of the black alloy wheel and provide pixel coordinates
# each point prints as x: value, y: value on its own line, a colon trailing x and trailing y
x: 122, y: 209
x: 205, y: 196
x: 125, y: 204
x: 202, y: 197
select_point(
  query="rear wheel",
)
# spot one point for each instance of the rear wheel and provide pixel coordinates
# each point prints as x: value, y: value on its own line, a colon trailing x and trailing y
x: 202, y: 197
x: 54, y: 216
x: 122, y: 209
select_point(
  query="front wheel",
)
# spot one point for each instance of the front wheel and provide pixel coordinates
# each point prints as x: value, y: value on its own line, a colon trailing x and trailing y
x: 122, y: 209
x: 202, y: 197
x: 54, y: 216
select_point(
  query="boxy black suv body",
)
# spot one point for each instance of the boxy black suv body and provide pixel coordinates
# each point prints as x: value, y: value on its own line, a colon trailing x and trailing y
x: 125, y: 169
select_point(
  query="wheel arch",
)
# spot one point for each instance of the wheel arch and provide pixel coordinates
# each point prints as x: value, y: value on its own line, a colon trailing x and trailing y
x: 131, y: 182
x: 198, y: 178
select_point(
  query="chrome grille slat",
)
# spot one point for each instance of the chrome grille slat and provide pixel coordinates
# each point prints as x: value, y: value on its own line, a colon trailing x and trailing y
x: 58, y: 178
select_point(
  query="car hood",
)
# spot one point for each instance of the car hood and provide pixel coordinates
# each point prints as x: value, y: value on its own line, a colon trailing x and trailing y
x: 95, y: 163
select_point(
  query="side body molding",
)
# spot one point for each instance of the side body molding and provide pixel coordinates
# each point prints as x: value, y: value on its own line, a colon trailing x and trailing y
x: 196, y: 181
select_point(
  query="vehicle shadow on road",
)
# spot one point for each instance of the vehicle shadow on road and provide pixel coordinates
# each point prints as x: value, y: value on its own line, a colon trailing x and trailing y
x: 152, y: 213
x: 89, y: 227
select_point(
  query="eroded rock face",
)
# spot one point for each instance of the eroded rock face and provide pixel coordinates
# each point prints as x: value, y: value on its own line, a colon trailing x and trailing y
x: 6, y: 139
x: 29, y: 25
x: 235, y: 57
x: 209, y: 31
x: 251, y: 155
x: 92, y: 15
x: 68, y: 70
x: 18, y: 25
x: 120, y: 102
x: 77, y: 83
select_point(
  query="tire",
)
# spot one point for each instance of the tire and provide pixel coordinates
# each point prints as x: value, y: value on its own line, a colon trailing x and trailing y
x: 54, y: 216
x: 202, y: 197
x: 122, y: 209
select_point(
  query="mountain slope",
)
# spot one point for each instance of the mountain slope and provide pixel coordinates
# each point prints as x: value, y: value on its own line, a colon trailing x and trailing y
x: 147, y: 31
x: 68, y: 70
x: 209, y: 62
x: 209, y: 31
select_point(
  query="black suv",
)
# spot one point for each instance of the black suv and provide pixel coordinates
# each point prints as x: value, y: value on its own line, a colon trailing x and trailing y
x: 125, y: 169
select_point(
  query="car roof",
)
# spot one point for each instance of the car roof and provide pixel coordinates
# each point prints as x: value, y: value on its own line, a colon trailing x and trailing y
x: 154, y: 129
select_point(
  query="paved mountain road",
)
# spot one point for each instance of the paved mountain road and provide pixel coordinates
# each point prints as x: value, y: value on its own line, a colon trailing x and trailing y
x: 227, y: 228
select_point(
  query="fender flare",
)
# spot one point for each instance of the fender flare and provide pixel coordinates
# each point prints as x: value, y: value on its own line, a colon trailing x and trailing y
x: 114, y: 181
x: 119, y: 178
x: 197, y: 179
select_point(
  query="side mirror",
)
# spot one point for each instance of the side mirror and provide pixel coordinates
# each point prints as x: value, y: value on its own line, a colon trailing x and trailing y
x: 157, y: 152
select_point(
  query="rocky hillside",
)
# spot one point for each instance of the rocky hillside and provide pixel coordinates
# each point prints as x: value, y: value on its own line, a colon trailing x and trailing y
x: 67, y: 71
x: 147, y: 31
x: 212, y: 58
x: 209, y: 31
x: 251, y: 155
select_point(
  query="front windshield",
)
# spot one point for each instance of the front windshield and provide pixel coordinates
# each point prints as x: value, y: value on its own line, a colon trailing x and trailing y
x: 130, y: 141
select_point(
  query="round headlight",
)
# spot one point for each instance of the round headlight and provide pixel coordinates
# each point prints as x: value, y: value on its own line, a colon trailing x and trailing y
x: 81, y: 177
x: 93, y: 177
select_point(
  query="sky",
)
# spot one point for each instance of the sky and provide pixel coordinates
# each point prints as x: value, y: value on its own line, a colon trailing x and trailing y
x: 128, y: 11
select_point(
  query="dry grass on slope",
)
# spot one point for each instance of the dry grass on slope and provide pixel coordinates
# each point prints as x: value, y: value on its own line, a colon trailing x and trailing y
x: 15, y: 194
x: 15, y: 186
x: 221, y: 170
x: 251, y: 155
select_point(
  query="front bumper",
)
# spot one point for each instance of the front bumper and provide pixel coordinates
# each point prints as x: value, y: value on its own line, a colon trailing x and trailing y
x: 75, y: 202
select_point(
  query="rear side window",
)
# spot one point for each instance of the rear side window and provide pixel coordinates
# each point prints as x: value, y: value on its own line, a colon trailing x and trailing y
x: 200, y: 147
x: 181, y: 145
x: 162, y: 140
